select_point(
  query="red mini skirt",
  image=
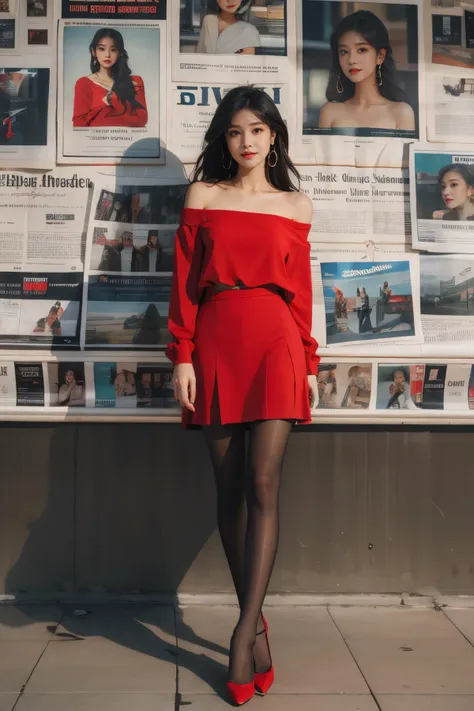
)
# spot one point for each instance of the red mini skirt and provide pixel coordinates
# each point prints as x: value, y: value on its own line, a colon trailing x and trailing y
x: 249, y: 360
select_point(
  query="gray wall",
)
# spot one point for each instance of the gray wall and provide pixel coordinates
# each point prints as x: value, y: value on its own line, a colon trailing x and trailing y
x: 130, y: 508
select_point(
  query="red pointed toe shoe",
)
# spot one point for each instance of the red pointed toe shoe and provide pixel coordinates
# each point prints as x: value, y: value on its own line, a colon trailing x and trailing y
x: 240, y: 693
x: 264, y: 681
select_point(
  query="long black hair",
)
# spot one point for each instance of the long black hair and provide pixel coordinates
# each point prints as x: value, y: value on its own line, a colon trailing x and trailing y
x: 214, y: 9
x: 373, y: 30
x: 212, y: 164
x: 121, y: 72
x: 465, y: 171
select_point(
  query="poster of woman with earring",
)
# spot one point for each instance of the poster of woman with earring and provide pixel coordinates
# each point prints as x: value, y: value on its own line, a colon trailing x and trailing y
x: 109, y: 103
x: 360, y: 69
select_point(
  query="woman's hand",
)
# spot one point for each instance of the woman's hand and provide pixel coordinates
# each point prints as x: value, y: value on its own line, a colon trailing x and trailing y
x: 313, y: 391
x: 184, y: 385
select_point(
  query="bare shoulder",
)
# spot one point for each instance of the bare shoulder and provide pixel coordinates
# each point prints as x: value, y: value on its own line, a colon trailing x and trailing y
x: 301, y: 207
x: 329, y: 111
x: 198, y: 195
x: 405, y: 115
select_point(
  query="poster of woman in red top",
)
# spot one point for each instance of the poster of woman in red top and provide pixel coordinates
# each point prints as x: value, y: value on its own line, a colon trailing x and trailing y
x: 109, y: 91
x: 110, y: 95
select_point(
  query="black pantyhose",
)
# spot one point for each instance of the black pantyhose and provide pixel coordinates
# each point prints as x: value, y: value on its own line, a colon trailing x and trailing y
x: 248, y: 520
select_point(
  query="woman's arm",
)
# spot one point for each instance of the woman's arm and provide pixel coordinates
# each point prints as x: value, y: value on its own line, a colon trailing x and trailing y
x: 299, y: 270
x: 82, y: 111
x: 326, y: 115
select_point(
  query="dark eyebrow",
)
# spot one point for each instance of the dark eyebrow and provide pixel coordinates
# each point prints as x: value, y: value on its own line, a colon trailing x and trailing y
x: 345, y: 45
x: 254, y: 123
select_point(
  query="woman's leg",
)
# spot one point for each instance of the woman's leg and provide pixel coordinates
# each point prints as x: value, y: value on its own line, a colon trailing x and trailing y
x: 267, y: 446
x: 226, y: 444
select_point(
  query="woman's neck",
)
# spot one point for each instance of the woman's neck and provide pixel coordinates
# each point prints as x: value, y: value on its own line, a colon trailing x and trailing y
x: 104, y: 75
x: 252, y: 181
x: 227, y: 18
x: 466, y: 210
x: 366, y: 92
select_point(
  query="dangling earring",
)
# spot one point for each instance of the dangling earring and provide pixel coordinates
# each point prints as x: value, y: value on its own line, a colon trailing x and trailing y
x: 339, y: 87
x: 378, y: 73
x: 226, y: 167
x: 275, y: 157
x: 95, y: 64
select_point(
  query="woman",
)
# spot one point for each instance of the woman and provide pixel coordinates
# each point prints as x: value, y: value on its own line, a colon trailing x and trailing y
x: 362, y: 92
x: 240, y: 314
x: 224, y: 32
x: 365, y: 323
x: 71, y: 393
x: 456, y: 182
x: 110, y: 95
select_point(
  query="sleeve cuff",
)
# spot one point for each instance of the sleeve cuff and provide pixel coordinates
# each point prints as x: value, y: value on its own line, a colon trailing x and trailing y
x: 312, y: 362
x: 180, y: 352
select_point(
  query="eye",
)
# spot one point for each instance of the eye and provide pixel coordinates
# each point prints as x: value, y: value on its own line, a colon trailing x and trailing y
x: 342, y: 52
x: 362, y: 49
x: 233, y: 133
x: 257, y: 130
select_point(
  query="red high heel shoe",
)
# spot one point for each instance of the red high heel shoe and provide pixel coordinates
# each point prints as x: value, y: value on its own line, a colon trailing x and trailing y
x: 264, y: 681
x: 240, y: 693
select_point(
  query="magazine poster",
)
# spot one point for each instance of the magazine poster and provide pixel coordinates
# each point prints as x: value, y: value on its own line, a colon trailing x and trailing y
x: 234, y: 42
x: 336, y: 128
x: 7, y: 384
x: 111, y: 98
x: 27, y: 113
x: 442, y: 198
x: 29, y: 384
x: 447, y: 299
x: 371, y: 302
x: 344, y: 386
x: 40, y: 310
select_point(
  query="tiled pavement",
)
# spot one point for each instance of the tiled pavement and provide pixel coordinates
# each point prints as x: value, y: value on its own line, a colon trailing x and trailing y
x: 155, y: 658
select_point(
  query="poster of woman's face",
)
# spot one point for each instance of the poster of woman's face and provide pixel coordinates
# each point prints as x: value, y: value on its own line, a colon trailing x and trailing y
x: 442, y: 185
x: 110, y: 103
x: 360, y: 69
x: 248, y: 33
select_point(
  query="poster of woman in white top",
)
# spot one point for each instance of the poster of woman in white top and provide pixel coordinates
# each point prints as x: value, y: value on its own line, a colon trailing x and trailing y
x: 229, y: 37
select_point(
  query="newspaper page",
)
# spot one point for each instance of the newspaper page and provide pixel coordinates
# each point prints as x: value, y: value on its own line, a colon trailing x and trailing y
x: 335, y: 129
x: 450, y: 114
x: 129, y: 263
x: 27, y: 113
x: 117, y: 121
x: 37, y: 29
x: 442, y: 198
x: 371, y: 302
x: 7, y: 384
x: 232, y: 42
x: 40, y: 309
x: 452, y: 33
x: 358, y: 204
x: 113, y: 9
x: 447, y: 299
x: 192, y: 106
x: 66, y: 384
x: 344, y: 386
x: 43, y: 219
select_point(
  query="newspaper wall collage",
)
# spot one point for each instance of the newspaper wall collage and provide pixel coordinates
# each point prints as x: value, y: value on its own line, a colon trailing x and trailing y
x: 93, y: 177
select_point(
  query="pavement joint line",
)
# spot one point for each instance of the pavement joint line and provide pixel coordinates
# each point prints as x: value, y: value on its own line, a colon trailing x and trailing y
x: 177, y: 694
x: 456, y: 627
x: 374, y: 698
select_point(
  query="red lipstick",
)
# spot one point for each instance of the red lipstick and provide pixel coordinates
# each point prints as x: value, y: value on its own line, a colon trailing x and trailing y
x: 247, y: 156
x: 354, y: 71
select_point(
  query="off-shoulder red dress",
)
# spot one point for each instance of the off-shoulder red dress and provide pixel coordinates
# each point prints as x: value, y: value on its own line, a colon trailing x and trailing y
x: 90, y: 108
x: 251, y: 347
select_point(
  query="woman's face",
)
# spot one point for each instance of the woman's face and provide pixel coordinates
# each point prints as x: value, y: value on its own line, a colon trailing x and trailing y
x: 357, y: 58
x: 69, y: 377
x: 249, y: 139
x: 106, y: 52
x: 231, y: 6
x: 399, y: 377
x: 152, y: 241
x: 454, y: 190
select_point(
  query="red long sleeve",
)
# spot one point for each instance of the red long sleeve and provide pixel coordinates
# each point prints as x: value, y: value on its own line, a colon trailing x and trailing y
x: 184, y: 300
x: 90, y: 108
x: 301, y: 305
